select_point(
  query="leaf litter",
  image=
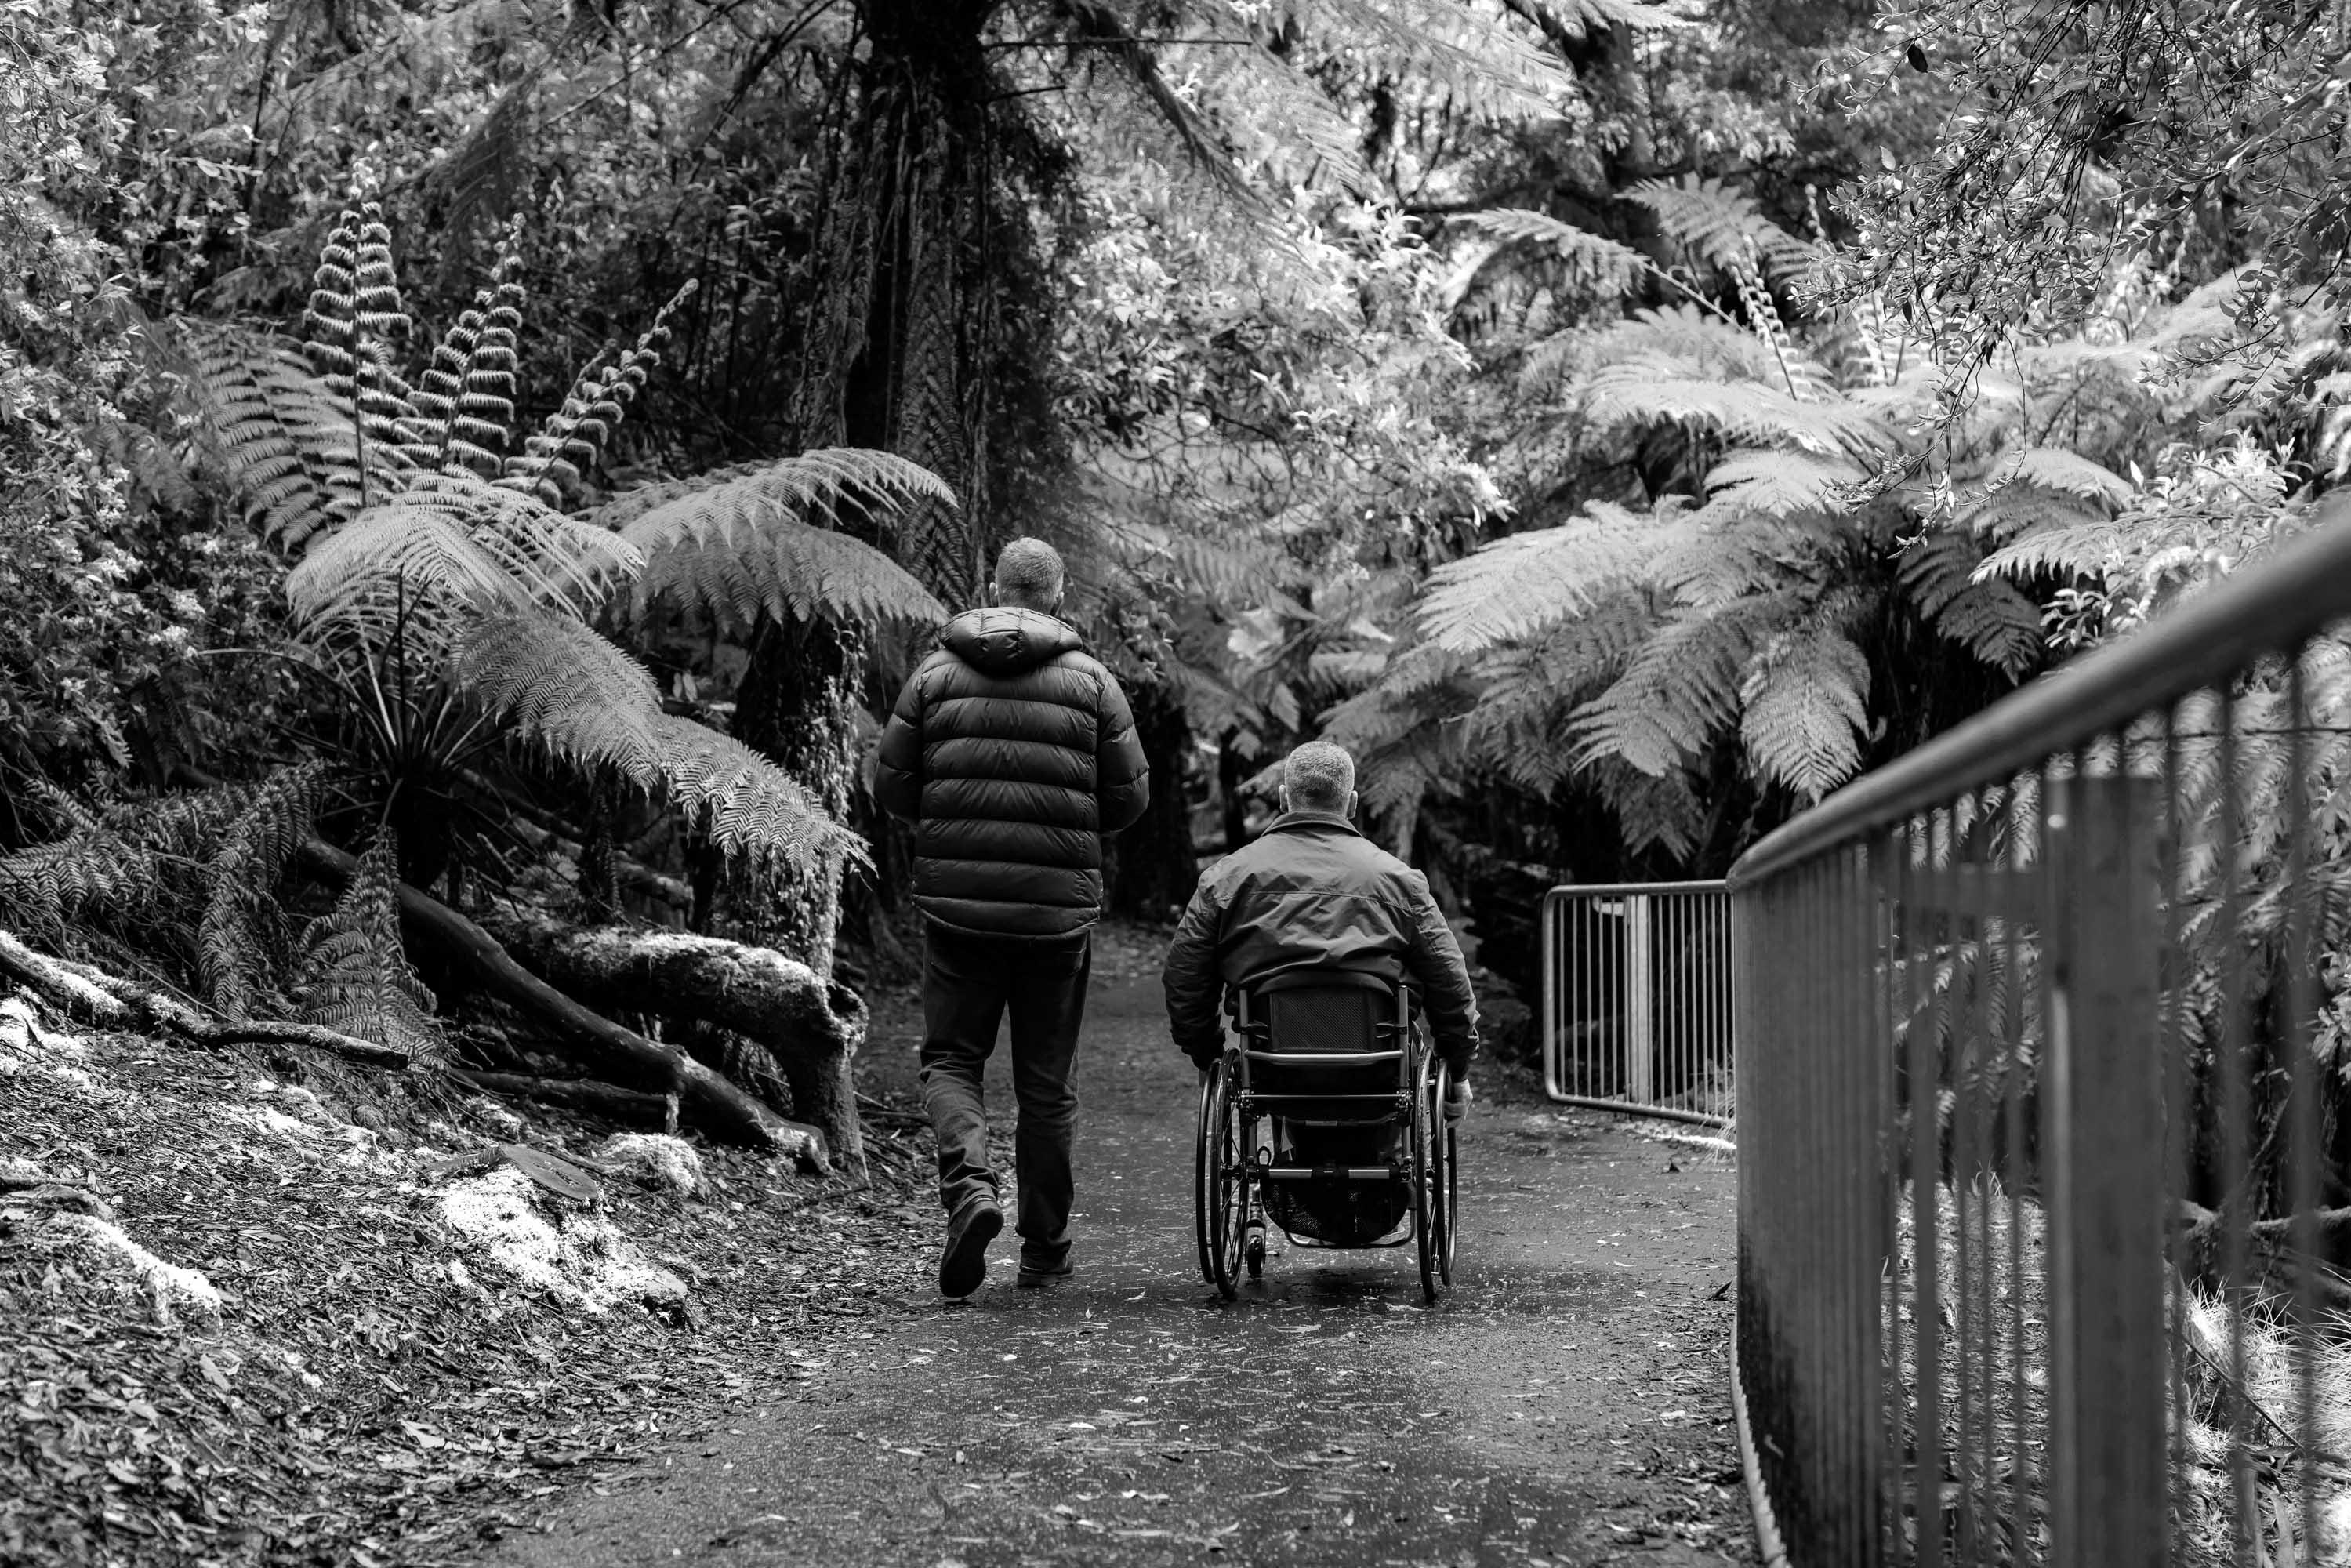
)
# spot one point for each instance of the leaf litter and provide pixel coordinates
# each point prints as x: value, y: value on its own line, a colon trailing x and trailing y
x: 236, y: 1327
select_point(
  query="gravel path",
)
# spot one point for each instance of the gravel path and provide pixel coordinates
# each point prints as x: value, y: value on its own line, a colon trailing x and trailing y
x: 1566, y: 1405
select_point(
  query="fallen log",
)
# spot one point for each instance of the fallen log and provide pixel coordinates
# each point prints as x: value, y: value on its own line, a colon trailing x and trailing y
x: 705, y: 1099
x: 575, y: 1094
x: 811, y: 1027
x: 90, y: 996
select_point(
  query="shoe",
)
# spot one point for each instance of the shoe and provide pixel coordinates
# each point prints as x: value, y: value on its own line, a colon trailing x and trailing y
x: 963, y: 1262
x: 1036, y: 1279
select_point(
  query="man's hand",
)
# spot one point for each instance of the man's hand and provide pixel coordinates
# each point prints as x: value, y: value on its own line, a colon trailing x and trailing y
x: 1457, y: 1100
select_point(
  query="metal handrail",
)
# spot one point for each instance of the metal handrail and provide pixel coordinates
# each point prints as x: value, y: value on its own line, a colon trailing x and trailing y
x: 2293, y: 594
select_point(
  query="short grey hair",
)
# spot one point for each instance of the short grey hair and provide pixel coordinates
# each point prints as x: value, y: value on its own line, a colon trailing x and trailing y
x: 1319, y: 777
x: 1029, y: 574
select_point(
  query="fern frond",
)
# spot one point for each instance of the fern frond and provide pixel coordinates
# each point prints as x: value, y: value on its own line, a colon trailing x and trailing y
x: 745, y: 803
x: 1659, y: 810
x: 566, y: 687
x: 1599, y: 261
x: 239, y: 943
x: 739, y: 540
x: 356, y: 976
x: 1485, y: 65
x: 354, y: 323
x: 2064, y: 472
x: 464, y: 402
x: 297, y: 463
x: 1719, y: 222
x: 1741, y: 411
x: 1806, y: 695
x: 575, y: 436
x: 1677, y: 692
x: 1985, y: 616
x: 394, y: 558
x: 1777, y: 483
x: 1518, y: 586
x: 2070, y: 550
x: 1572, y: 21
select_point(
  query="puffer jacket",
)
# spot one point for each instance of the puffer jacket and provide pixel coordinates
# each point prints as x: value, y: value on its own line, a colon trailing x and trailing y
x: 1311, y: 891
x: 1012, y: 751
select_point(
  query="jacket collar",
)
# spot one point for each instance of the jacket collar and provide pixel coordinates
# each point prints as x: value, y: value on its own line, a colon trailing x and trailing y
x: 1311, y: 821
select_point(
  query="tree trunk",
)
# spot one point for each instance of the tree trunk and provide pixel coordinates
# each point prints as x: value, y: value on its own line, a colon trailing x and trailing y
x: 1155, y: 868
x: 811, y: 1026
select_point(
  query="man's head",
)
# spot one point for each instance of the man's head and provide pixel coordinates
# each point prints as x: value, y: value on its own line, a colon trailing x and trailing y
x: 1319, y: 777
x: 1028, y: 576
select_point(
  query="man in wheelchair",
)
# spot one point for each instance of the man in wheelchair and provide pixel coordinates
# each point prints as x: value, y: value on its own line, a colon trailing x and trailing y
x: 1311, y: 893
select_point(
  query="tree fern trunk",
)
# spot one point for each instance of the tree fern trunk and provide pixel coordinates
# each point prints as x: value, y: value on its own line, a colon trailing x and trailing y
x: 798, y: 704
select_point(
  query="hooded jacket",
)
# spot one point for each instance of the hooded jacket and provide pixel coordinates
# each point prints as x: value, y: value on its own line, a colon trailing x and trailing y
x: 1012, y: 751
x: 1311, y: 891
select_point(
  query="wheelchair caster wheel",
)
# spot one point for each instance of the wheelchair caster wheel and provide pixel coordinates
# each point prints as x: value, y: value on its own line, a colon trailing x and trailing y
x: 1255, y: 1255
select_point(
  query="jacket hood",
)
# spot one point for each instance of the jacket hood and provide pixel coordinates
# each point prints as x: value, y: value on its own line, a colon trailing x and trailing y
x: 1002, y: 641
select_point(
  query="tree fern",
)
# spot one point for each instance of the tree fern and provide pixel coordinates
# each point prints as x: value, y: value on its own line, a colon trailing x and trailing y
x: 356, y: 978
x: 1806, y: 701
x: 239, y: 940
x: 1518, y: 586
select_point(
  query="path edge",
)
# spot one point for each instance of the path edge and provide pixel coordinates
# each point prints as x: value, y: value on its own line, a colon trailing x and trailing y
x: 1767, y: 1523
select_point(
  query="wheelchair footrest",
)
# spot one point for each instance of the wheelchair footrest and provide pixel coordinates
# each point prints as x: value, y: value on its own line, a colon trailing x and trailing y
x: 1327, y: 1172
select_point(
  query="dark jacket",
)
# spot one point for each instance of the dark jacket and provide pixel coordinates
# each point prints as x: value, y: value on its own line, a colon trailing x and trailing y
x: 1012, y: 751
x: 1313, y: 891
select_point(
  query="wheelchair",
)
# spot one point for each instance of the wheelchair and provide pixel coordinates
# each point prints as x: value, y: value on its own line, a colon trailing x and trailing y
x: 1324, y: 1116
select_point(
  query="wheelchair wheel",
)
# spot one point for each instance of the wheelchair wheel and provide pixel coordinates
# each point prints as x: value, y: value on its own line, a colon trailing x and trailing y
x: 1220, y: 1204
x: 1427, y: 1194
x: 1255, y: 1251
x: 1447, y: 1209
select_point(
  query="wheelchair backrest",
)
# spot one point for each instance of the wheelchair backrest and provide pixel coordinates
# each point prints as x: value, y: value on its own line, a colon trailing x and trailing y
x: 1289, y: 1019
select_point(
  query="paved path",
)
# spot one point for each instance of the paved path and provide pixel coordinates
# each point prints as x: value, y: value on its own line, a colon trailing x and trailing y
x: 1566, y: 1405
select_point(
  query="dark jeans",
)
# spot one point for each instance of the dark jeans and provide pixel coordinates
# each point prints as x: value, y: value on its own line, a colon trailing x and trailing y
x: 969, y: 983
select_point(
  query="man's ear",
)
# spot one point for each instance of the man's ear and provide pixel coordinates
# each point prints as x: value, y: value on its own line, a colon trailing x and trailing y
x: 995, y: 594
x: 1353, y: 795
x: 1281, y: 793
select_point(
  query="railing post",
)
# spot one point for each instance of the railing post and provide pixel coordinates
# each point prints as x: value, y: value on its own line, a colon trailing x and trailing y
x: 2102, y: 1102
x: 1640, y: 1000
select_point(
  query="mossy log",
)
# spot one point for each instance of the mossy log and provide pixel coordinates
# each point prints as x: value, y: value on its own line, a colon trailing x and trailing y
x: 811, y: 1027
x: 705, y: 1099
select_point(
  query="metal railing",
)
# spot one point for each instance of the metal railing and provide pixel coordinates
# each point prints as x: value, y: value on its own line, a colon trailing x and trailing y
x: 1637, y: 998
x: 2044, y: 1112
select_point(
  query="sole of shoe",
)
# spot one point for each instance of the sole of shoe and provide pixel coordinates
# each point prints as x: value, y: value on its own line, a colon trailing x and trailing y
x: 1034, y: 1281
x: 962, y: 1264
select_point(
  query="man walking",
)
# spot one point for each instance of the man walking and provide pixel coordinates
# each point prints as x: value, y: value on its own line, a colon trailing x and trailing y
x: 1012, y: 751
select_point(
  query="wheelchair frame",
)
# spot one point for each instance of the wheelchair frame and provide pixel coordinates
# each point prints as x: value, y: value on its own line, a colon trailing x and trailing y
x: 1233, y: 1160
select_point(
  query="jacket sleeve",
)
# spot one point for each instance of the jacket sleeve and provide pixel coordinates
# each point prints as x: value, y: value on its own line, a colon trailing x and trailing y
x: 1436, y: 962
x: 1121, y: 772
x: 898, y: 763
x: 1191, y: 977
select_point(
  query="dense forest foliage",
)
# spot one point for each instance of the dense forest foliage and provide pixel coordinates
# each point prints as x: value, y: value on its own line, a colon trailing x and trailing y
x: 520, y: 444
